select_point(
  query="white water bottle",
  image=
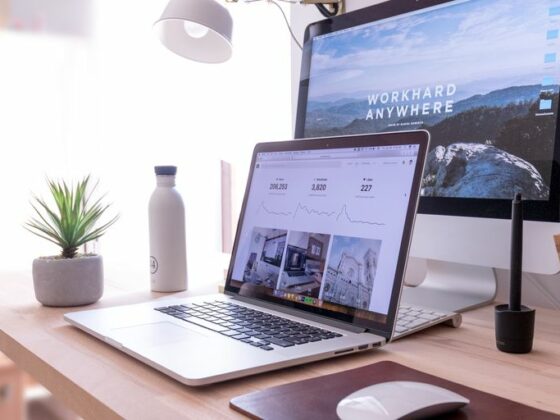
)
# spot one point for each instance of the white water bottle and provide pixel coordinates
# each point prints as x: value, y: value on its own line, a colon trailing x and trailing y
x: 168, y: 256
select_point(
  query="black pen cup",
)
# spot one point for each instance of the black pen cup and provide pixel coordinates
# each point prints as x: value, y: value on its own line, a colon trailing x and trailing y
x: 514, y: 329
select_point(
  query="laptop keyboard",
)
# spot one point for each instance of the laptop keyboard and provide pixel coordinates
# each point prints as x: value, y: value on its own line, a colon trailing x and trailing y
x: 411, y: 318
x: 259, y: 329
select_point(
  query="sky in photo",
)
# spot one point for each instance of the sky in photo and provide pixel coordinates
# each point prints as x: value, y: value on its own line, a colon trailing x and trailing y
x: 479, y: 45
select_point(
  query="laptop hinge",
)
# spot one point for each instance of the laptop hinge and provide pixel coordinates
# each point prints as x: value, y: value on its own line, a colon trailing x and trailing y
x: 300, y: 313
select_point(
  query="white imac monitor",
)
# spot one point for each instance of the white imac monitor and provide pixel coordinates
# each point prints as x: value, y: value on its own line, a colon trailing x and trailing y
x: 482, y: 76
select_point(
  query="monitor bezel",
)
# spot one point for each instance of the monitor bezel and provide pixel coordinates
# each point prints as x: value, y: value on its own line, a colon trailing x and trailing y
x: 538, y: 210
x: 418, y: 137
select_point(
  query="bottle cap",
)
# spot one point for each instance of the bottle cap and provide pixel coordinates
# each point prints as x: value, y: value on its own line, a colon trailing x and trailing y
x: 165, y: 170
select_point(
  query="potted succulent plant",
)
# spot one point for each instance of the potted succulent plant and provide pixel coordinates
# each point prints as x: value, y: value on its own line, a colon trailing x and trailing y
x: 71, y: 278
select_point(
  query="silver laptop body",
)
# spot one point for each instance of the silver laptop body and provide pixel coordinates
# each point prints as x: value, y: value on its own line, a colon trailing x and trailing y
x: 316, y: 270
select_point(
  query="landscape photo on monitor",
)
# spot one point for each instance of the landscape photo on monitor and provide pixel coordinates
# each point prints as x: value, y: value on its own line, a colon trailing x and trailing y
x: 480, y: 75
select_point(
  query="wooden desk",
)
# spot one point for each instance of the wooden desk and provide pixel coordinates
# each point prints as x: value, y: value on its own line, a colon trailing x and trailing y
x: 100, y: 382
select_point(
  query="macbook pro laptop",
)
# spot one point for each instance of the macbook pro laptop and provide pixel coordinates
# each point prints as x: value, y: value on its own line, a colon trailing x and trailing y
x: 316, y: 271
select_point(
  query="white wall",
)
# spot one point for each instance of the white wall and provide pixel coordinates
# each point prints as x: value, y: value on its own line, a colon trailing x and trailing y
x: 116, y: 104
x: 538, y: 290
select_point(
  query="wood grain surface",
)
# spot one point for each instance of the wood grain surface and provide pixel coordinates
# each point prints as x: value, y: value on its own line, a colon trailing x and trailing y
x: 97, y: 381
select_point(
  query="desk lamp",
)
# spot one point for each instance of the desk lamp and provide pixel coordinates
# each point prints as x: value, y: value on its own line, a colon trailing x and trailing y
x: 199, y: 30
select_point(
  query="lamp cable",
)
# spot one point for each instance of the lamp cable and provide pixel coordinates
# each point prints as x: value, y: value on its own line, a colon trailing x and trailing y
x: 324, y: 10
x: 287, y: 23
x: 284, y: 16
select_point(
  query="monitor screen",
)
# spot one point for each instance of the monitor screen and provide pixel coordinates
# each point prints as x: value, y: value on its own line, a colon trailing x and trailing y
x: 324, y: 228
x: 482, y: 76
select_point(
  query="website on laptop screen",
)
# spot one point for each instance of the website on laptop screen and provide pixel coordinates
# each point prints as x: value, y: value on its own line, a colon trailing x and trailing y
x: 481, y: 76
x: 324, y: 227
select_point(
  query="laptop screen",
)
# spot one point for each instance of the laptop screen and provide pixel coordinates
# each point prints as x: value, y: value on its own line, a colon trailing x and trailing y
x: 324, y: 227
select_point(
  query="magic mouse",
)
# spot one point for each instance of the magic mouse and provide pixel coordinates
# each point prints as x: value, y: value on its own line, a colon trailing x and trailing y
x: 398, y: 400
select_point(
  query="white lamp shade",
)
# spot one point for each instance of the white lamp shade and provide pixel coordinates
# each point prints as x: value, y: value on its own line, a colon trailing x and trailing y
x: 199, y: 30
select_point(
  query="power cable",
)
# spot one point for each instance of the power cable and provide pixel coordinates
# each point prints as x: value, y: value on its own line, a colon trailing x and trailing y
x: 324, y: 10
x: 287, y: 24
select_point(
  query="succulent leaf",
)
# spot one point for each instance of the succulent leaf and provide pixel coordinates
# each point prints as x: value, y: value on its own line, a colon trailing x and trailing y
x: 72, y: 221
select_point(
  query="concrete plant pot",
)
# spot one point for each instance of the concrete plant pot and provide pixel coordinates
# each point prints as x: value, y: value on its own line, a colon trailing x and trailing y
x: 68, y: 282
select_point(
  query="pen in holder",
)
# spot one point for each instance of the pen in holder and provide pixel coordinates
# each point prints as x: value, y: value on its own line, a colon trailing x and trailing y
x: 515, y: 323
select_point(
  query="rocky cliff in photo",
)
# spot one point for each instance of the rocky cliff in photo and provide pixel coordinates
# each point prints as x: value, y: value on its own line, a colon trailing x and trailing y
x: 478, y: 170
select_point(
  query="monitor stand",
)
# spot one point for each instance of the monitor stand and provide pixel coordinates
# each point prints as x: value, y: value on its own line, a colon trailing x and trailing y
x: 452, y: 287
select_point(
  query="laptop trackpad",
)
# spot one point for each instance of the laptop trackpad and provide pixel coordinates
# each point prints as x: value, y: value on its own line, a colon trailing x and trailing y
x: 154, y: 334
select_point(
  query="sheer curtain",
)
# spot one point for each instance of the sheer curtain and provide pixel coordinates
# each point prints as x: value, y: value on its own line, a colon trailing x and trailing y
x: 116, y: 103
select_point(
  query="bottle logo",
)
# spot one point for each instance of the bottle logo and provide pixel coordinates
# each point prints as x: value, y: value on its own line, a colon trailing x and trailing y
x: 153, y: 265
